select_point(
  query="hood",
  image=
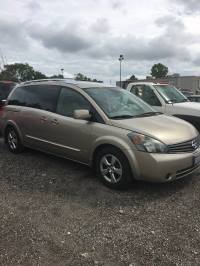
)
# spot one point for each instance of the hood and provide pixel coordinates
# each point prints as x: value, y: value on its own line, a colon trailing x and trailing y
x: 167, y: 129
x: 186, y: 108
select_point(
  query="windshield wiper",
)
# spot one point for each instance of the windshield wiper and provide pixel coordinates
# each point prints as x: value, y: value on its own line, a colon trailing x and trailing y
x: 148, y: 114
x: 121, y: 116
x: 133, y: 116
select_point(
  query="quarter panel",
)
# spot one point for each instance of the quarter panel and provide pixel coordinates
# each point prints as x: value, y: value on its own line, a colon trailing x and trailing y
x: 12, y: 116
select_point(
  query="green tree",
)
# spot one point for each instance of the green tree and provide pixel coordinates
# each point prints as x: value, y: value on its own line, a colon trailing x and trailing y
x: 39, y: 75
x: 133, y: 77
x: 59, y: 76
x: 159, y: 71
x: 20, y: 72
x: 82, y: 77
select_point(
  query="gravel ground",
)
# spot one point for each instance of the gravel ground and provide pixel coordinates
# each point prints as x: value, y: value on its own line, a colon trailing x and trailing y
x: 55, y: 212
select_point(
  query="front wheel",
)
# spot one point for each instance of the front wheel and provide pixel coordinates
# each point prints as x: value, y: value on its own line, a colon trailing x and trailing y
x: 113, y: 168
x: 13, y: 141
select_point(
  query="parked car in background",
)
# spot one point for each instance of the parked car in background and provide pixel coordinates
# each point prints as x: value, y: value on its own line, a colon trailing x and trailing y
x: 167, y: 99
x: 194, y: 98
x: 5, y: 88
x: 186, y: 93
x: 101, y: 126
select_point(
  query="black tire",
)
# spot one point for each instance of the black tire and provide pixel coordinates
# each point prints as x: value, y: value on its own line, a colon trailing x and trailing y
x: 121, y: 181
x: 13, y: 141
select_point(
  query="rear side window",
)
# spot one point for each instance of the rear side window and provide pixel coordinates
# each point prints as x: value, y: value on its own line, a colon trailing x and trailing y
x: 36, y: 96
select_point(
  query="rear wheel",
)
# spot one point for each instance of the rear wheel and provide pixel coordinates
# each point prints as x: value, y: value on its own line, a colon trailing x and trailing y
x: 113, y: 168
x: 13, y: 141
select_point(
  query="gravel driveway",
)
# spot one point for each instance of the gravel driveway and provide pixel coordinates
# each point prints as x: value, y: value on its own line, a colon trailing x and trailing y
x: 55, y: 212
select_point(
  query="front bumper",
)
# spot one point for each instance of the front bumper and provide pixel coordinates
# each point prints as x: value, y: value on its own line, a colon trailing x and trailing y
x: 165, y: 167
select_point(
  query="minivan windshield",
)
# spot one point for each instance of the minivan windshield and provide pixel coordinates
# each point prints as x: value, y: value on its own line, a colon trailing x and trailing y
x: 119, y: 104
x: 170, y: 94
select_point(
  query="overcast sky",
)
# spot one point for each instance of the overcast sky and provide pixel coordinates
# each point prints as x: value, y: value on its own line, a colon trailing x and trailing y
x: 88, y: 36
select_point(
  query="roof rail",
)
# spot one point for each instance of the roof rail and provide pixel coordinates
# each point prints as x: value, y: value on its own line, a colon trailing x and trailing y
x: 42, y: 80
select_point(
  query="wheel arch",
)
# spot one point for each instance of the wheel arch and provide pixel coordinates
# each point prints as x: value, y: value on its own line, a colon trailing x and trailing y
x: 122, y: 147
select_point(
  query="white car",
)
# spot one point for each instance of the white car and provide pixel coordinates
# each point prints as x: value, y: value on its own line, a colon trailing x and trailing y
x: 167, y: 99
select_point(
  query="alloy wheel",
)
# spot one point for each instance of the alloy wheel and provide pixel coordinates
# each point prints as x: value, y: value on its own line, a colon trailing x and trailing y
x: 111, y: 168
x: 12, y: 140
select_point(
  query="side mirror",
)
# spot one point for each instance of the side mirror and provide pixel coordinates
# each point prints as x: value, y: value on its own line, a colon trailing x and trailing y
x: 2, y: 102
x: 82, y: 114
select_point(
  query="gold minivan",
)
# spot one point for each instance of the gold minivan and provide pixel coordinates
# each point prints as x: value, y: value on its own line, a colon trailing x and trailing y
x: 101, y: 126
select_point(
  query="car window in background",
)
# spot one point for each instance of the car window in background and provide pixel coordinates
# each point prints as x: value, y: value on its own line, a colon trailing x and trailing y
x: 5, y: 89
x: 146, y: 94
x: 116, y: 102
x: 194, y: 99
x: 198, y: 99
x: 170, y: 94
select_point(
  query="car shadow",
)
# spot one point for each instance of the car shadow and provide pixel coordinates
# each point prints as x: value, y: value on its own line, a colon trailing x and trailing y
x: 37, y: 171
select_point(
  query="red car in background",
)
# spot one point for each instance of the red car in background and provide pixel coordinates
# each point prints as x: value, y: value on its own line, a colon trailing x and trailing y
x: 5, y: 88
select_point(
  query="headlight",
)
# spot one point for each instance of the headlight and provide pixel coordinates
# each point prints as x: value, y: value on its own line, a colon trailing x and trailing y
x: 147, y: 144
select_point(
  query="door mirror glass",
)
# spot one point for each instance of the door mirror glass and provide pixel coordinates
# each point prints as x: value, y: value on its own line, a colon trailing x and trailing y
x: 82, y: 114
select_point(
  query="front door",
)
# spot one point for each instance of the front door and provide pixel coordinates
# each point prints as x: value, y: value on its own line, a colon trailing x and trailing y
x: 70, y: 137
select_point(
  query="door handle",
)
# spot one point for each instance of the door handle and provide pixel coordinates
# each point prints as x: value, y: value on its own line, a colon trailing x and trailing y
x: 54, y: 122
x: 43, y: 119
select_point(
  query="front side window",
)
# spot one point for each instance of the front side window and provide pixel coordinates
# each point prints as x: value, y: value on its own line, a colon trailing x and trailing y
x: 119, y: 103
x: 69, y: 101
x: 146, y: 94
x: 170, y: 94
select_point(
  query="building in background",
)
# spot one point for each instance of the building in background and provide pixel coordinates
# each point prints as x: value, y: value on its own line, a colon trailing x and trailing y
x: 190, y: 84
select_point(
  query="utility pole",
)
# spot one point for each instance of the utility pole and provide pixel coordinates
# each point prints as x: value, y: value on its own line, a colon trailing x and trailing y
x: 121, y: 58
x: 2, y: 60
x: 62, y: 71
